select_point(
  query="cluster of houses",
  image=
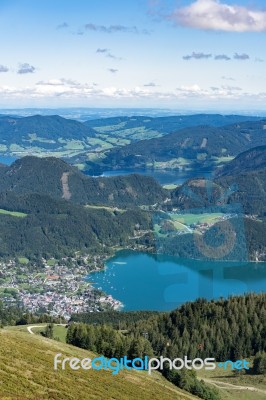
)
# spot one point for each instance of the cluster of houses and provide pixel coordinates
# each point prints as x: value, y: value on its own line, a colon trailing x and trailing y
x: 56, y: 288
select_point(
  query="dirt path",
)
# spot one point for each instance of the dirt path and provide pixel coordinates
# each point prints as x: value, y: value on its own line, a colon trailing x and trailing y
x: 29, y: 328
x: 65, y: 187
x: 230, y: 386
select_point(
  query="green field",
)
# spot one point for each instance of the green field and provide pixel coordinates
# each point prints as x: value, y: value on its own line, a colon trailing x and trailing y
x: 13, y: 213
x: 188, y: 219
x: 60, y: 331
x: 74, y: 145
x: 23, y: 260
x: 172, y: 163
x: 51, y: 262
x: 183, y: 222
x: 170, y: 186
x: 222, y: 160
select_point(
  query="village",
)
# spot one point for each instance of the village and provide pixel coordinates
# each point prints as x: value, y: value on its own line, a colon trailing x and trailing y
x: 55, y: 287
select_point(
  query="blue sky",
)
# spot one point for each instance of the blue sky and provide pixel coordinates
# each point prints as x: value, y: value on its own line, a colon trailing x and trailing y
x: 182, y: 54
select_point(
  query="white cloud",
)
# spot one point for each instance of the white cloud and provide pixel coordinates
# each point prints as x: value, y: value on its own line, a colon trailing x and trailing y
x: 218, y: 16
x: 214, y: 93
x: 73, y: 91
x: 197, y: 56
x: 3, y: 68
x: 26, y: 69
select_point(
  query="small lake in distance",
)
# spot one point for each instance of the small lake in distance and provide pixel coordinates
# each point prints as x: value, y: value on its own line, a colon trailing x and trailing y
x: 164, y: 177
x: 7, y: 160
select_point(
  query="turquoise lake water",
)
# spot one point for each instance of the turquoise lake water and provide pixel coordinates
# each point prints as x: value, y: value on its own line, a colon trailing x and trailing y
x: 150, y: 282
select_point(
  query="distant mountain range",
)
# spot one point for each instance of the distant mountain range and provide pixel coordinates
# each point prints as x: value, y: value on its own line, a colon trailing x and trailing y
x: 167, y: 124
x: 188, y: 148
x: 51, y: 128
x: 92, y: 140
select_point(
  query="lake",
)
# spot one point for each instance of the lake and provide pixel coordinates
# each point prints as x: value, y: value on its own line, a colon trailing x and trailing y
x: 157, y: 282
x: 7, y: 160
x: 164, y: 177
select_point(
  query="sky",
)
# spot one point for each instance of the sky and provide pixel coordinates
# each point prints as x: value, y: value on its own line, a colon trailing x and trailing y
x: 177, y: 54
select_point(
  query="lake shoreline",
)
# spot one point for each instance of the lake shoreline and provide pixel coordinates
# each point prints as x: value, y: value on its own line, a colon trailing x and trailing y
x: 141, y: 280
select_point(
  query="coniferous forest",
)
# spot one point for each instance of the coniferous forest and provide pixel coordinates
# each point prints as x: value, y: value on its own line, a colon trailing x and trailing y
x: 232, y: 329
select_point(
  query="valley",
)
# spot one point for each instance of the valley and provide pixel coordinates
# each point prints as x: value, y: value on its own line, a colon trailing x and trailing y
x: 132, y: 200
x: 51, y: 210
x: 150, y: 235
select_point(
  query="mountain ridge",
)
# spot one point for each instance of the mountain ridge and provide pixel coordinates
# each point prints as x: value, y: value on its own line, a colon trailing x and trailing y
x: 197, y: 146
x: 53, y: 176
x: 248, y: 161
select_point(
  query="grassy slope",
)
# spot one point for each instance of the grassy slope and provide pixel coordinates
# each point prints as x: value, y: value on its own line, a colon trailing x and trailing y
x: 60, y: 331
x: 253, y: 387
x: 26, y: 372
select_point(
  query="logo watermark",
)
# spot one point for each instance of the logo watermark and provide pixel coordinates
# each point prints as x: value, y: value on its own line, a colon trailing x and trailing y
x: 144, y: 364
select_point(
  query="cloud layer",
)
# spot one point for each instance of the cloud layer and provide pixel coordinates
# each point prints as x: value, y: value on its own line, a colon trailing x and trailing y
x: 218, y: 16
x: 72, y: 90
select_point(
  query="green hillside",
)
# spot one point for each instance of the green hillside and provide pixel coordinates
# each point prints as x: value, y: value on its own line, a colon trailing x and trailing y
x: 54, y: 177
x: 51, y: 194
x: 239, y: 194
x: 142, y: 127
x: 199, y: 146
x: 56, y: 227
x: 26, y: 372
x: 90, y: 141
x: 251, y: 160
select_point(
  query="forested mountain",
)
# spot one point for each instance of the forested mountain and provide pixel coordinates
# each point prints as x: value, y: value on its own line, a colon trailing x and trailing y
x: 227, y: 329
x: 43, y: 208
x: 92, y: 140
x: 241, y: 181
x: 249, y: 161
x: 163, y: 125
x: 51, y: 196
x: 54, y: 177
x: 239, y: 192
x: 51, y: 227
x: 46, y: 129
x: 194, y: 146
x: 247, y: 189
x: 232, y: 329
